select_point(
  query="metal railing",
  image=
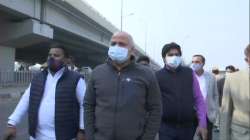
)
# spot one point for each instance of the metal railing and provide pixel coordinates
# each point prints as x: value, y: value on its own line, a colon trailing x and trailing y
x: 15, y: 78
x: 22, y: 78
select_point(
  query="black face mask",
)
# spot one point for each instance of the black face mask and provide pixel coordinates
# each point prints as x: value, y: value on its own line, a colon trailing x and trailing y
x: 54, y: 65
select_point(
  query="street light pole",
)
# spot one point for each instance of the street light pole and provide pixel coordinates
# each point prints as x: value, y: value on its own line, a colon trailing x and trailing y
x: 121, y: 14
x: 146, y: 37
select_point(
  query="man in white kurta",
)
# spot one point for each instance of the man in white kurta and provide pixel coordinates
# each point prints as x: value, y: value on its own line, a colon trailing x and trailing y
x: 45, y: 129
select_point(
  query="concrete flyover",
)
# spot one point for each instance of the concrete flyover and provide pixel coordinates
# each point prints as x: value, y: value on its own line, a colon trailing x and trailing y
x: 29, y: 27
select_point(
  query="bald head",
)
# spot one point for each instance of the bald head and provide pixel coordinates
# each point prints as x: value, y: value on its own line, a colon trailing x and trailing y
x: 123, y: 39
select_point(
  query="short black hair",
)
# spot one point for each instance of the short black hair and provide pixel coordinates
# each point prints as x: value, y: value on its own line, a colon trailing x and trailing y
x: 247, y: 50
x: 143, y: 58
x: 215, y: 71
x: 231, y: 67
x: 65, y: 51
x: 201, y: 56
x: 167, y: 47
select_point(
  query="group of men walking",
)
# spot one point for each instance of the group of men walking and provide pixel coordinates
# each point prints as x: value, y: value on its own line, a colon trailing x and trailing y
x: 125, y: 100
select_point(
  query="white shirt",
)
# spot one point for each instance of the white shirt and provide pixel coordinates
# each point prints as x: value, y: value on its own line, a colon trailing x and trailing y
x: 46, y: 113
x: 203, y: 86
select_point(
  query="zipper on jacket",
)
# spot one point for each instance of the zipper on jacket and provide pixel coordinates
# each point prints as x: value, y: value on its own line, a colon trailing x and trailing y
x: 116, y: 102
x: 178, y: 101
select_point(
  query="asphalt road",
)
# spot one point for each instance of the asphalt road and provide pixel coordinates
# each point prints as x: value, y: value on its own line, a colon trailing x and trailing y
x: 6, y: 108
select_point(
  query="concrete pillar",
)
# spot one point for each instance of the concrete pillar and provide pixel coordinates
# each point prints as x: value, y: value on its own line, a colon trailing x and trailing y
x: 7, y: 64
x: 7, y: 58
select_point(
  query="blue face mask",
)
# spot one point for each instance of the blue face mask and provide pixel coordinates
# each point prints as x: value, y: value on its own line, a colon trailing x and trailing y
x: 118, y: 54
x: 173, y: 61
x: 195, y: 66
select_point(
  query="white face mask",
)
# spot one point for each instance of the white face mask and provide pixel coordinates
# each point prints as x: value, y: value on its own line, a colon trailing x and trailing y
x: 118, y: 54
x: 196, y: 66
x: 173, y: 61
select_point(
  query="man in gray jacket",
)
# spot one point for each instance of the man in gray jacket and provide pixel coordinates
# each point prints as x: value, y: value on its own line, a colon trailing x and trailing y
x: 209, y: 91
x: 122, y: 101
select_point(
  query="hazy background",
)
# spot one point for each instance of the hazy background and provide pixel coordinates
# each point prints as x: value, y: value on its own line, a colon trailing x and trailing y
x: 218, y: 29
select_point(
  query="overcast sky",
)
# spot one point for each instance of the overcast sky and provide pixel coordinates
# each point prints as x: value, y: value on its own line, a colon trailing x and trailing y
x: 217, y: 29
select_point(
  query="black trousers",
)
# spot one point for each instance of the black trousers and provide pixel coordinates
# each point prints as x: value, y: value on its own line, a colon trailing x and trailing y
x: 209, y: 130
x: 176, y: 132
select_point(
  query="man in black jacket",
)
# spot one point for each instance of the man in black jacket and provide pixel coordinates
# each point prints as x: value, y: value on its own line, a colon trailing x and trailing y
x: 122, y: 101
x: 181, y: 98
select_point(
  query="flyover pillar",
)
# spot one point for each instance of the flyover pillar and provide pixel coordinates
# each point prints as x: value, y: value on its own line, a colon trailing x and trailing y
x: 7, y: 64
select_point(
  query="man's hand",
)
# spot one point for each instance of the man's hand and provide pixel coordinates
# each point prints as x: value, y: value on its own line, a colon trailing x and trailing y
x: 80, y: 136
x: 10, y: 133
x: 202, y: 132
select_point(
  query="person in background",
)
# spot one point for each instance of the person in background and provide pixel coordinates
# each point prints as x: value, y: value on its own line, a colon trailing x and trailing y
x: 144, y: 60
x: 215, y: 71
x: 208, y: 86
x: 220, y: 79
x: 230, y: 69
x: 235, y: 111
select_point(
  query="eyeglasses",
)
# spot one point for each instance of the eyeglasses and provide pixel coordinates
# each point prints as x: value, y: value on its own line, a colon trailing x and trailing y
x: 119, y: 43
x: 173, y: 54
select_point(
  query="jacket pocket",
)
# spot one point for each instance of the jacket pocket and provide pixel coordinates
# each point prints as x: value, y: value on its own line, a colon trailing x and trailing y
x: 133, y: 91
